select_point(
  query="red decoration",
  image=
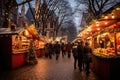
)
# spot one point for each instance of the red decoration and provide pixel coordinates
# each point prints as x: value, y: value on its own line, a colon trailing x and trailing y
x: 118, y: 42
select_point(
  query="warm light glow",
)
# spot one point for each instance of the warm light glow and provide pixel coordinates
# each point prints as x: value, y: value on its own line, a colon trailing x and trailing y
x: 97, y: 24
x: 87, y: 33
x: 113, y: 16
x: 106, y: 17
x: 106, y: 23
x: 104, y: 34
x: 89, y: 37
x: 26, y: 33
x: 89, y: 30
x: 117, y: 8
x: 98, y: 29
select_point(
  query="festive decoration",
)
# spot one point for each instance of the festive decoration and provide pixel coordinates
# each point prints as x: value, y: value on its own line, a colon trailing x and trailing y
x: 31, y: 55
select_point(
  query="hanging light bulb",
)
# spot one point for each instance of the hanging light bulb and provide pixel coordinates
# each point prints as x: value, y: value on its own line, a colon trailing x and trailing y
x: 106, y: 17
x: 106, y: 23
x: 113, y: 16
x: 97, y: 24
x: 89, y: 29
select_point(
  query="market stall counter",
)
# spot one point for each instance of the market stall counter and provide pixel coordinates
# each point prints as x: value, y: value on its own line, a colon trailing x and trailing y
x: 107, y: 67
x: 12, y: 51
x: 39, y: 48
x: 103, y: 34
x: 19, y: 58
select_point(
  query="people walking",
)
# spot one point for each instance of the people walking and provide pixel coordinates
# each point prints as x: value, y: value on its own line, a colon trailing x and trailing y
x: 46, y: 50
x: 50, y: 50
x: 87, y: 56
x: 69, y: 47
x: 80, y: 49
x: 57, y: 50
x: 75, y: 54
x: 63, y: 49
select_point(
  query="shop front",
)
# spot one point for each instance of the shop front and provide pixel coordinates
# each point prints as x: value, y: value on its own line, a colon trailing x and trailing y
x: 16, y: 48
x: 13, y: 51
x: 103, y: 34
x: 38, y: 41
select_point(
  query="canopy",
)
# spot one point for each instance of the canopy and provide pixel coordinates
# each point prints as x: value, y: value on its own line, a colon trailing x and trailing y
x: 110, y: 18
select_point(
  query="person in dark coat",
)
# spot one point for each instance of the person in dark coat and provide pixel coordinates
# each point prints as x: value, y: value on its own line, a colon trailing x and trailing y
x: 69, y: 48
x: 57, y: 50
x: 75, y: 54
x: 46, y: 50
x: 63, y: 49
x: 80, y: 49
x: 87, y: 56
x: 50, y: 50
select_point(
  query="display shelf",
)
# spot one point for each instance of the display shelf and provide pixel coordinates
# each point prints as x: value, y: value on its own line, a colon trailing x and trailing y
x: 101, y: 55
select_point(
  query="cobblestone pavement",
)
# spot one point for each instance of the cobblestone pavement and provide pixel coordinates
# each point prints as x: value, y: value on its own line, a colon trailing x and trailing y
x: 48, y: 69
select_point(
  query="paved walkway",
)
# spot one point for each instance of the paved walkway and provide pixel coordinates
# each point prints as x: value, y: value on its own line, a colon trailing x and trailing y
x: 48, y: 69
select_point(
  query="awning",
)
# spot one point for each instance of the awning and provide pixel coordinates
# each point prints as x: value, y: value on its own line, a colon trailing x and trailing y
x: 110, y: 18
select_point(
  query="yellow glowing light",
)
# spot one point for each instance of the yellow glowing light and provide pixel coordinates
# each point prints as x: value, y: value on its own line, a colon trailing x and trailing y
x: 89, y: 37
x: 117, y: 8
x: 106, y: 23
x: 26, y: 33
x: 89, y: 30
x: 97, y: 24
x: 113, y: 16
x: 106, y: 17
x: 98, y: 29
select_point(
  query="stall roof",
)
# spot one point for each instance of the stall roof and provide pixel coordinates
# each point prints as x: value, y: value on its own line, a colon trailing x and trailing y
x: 7, y: 31
x: 107, y: 19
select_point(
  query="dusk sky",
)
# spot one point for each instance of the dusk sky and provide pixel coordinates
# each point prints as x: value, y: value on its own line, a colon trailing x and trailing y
x: 77, y: 16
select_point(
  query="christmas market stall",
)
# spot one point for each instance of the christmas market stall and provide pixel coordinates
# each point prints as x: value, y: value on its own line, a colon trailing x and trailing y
x: 11, y: 48
x: 38, y: 41
x: 103, y: 34
x: 19, y: 46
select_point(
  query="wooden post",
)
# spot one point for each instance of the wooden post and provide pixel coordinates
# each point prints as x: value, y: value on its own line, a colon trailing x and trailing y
x: 115, y: 40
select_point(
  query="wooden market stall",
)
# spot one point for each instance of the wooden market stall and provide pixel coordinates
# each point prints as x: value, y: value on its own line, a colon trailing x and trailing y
x: 11, y: 48
x: 15, y: 46
x: 38, y: 41
x: 103, y: 34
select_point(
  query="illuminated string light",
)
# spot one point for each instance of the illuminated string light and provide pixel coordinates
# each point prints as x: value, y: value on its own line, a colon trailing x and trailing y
x: 113, y: 16
x: 98, y: 29
x: 97, y: 24
x: 106, y: 17
x: 106, y: 23
x: 89, y: 29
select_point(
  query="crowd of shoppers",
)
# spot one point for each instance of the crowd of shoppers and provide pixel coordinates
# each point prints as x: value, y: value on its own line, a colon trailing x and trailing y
x: 56, y: 48
x: 81, y: 53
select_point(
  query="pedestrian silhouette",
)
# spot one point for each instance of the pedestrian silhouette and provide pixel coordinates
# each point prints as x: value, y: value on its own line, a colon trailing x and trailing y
x: 75, y: 54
